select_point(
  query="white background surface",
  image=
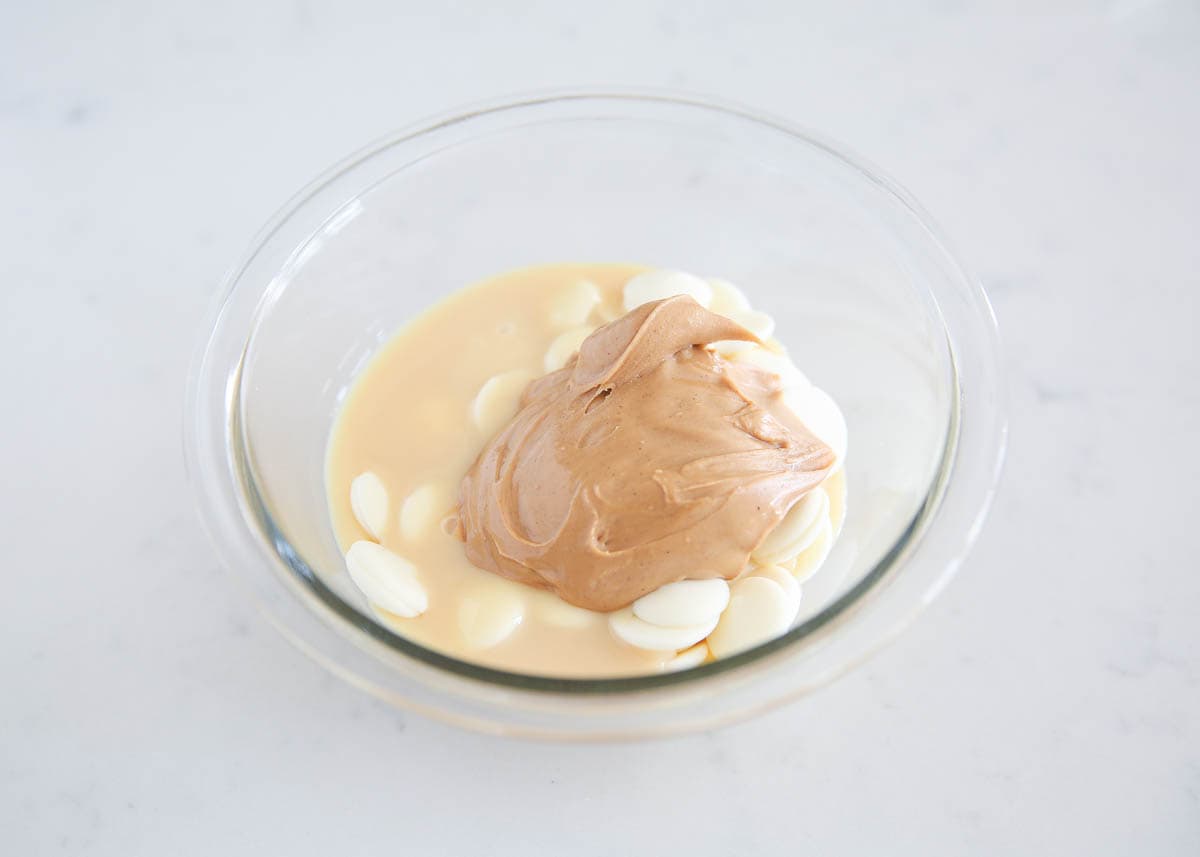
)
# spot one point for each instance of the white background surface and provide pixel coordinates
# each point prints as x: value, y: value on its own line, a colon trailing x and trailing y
x: 1047, y: 704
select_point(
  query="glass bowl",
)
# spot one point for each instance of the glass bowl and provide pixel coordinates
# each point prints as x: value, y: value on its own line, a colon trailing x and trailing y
x: 867, y: 298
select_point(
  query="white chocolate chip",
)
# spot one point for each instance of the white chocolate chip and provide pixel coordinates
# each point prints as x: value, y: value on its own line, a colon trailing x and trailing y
x: 498, y: 399
x: 657, y: 285
x: 758, y: 611
x: 684, y: 603
x: 388, y: 580
x: 783, y: 577
x: 687, y: 659
x: 809, y: 561
x: 488, y: 616
x: 423, y: 510
x: 575, y: 304
x: 727, y: 298
x: 820, y: 415
x: 563, y: 346
x: 799, y: 528
x: 369, y: 502
x: 641, y: 634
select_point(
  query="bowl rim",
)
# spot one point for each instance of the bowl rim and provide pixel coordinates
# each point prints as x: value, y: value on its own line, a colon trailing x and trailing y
x: 216, y: 480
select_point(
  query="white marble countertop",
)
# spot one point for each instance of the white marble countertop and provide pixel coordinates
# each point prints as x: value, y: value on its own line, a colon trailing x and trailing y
x: 1049, y: 703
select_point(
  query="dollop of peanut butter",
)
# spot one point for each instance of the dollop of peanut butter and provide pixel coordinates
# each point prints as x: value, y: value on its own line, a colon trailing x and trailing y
x: 647, y: 459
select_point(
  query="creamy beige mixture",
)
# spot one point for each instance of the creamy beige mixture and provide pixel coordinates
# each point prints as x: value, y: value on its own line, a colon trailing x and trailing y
x: 647, y: 459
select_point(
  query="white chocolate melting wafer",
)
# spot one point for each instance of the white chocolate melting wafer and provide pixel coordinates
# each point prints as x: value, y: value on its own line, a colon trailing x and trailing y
x: 657, y: 285
x: 687, y: 659
x: 423, y: 510
x: 798, y: 529
x: 488, y: 616
x: 641, y: 634
x: 386, y: 579
x: 771, y: 361
x: 576, y: 302
x: 785, y: 580
x: 758, y: 323
x: 563, y: 346
x: 369, y: 502
x: 497, y: 400
x: 727, y: 298
x: 809, y: 561
x: 836, y: 489
x: 758, y: 611
x: 820, y: 414
x: 684, y: 603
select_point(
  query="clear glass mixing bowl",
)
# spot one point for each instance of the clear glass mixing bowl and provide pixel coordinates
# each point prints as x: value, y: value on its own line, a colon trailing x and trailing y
x: 867, y: 298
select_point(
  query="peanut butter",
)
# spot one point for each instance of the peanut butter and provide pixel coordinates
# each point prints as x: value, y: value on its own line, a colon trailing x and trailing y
x: 646, y: 460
